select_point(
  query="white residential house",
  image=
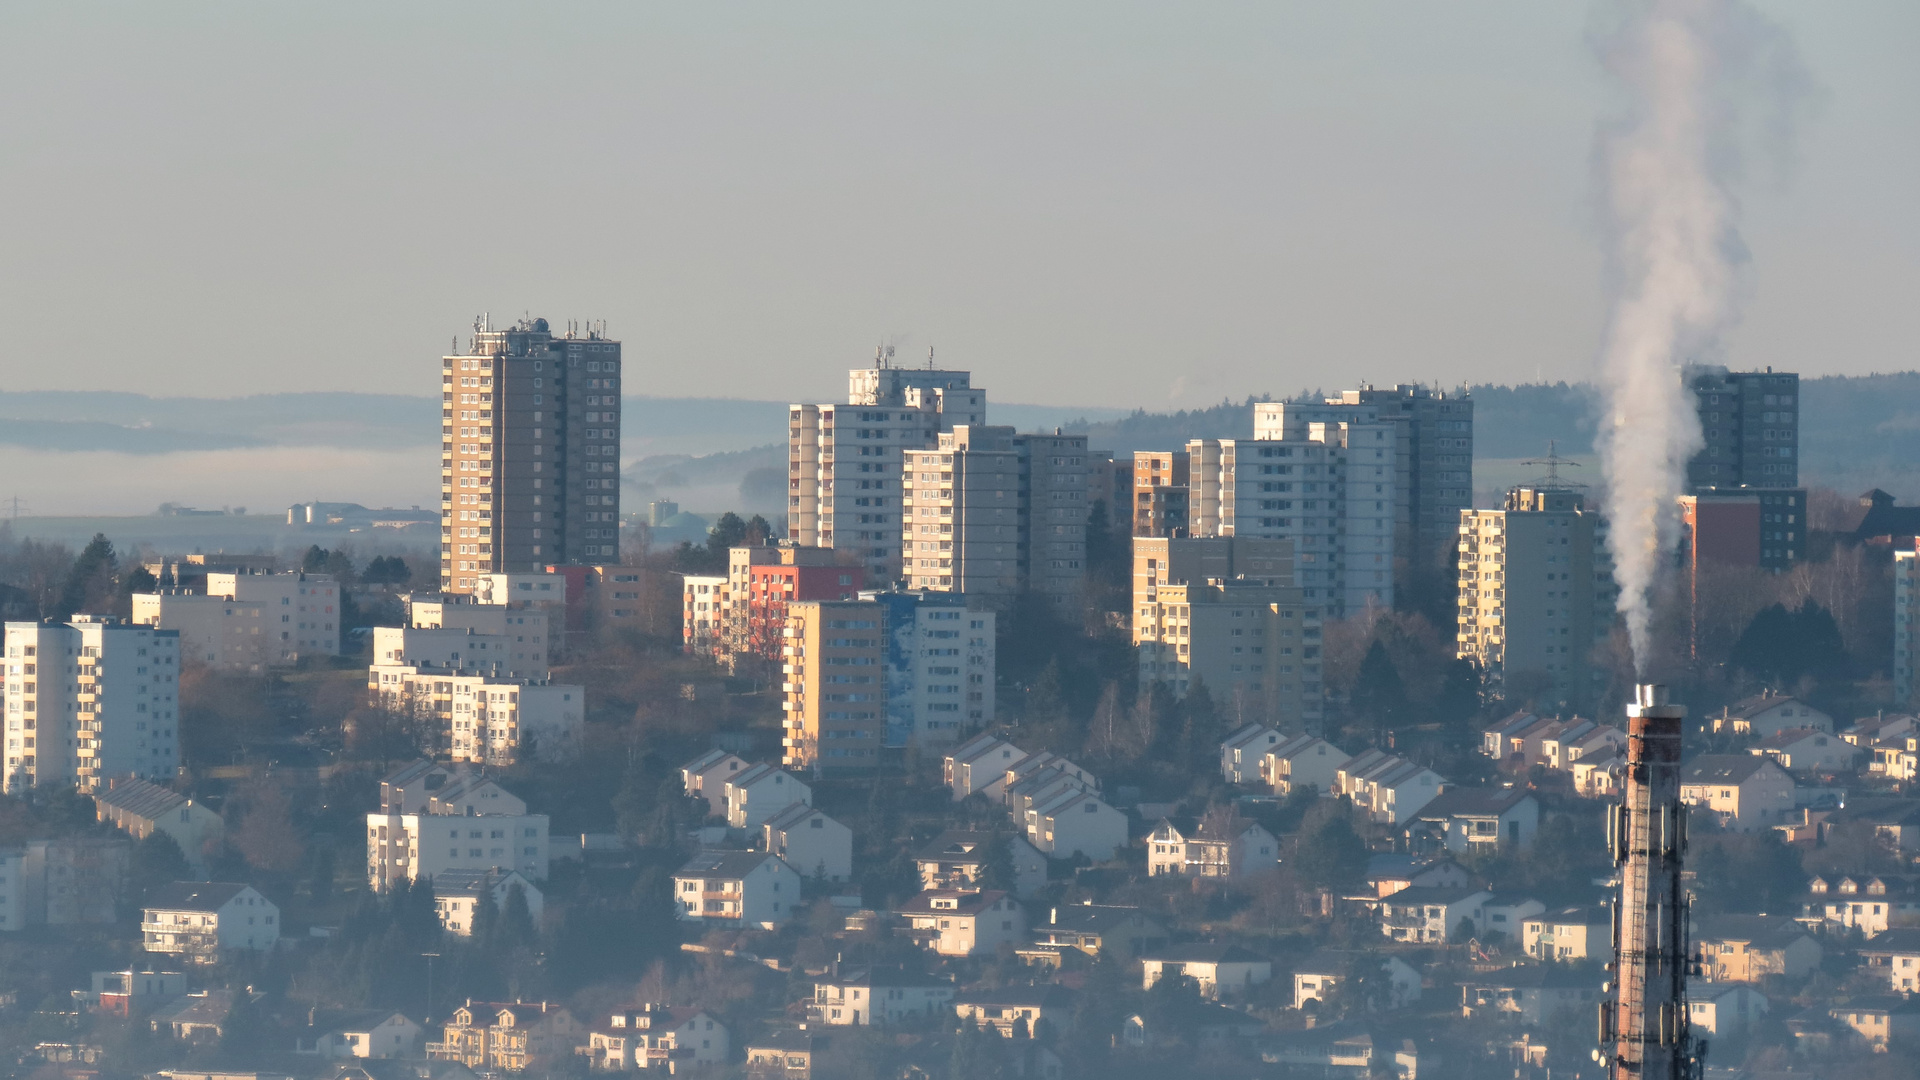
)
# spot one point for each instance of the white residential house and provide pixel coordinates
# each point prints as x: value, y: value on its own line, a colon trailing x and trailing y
x: 957, y: 858
x: 1044, y: 765
x: 1241, y: 752
x: 141, y: 808
x: 737, y: 888
x: 1303, y: 761
x: 706, y: 778
x: 1430, y: 916
x: 359, y: 1033
x: 434, y: 819
x: 761, y: 791
x: 1723, y: 1011
x: 1077, y: 823
x: 1316, y: 977
x: 1390, y: 872
x: 1743, y: 792
x: 1530, y: 994
x: 956, y: 923
x: 1569, y: 934
x: 457, y: 895
x: 1767, y: 715
x: 811, y: 842
x: 1390, y: 789
x: 1217, y: 969
x: 877, y: 996
x: 1227, y: 849
x: 1897, y: 953
x: 201, y: 920
x: 1810, y: 750
x: 1475, y: 819
x: 653, y: 1036
x: 980, y: 765
x: 1506, y: 915
x: 1870, y: 904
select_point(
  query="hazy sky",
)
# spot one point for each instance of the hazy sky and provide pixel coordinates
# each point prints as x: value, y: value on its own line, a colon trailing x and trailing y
x: 1098, y: 203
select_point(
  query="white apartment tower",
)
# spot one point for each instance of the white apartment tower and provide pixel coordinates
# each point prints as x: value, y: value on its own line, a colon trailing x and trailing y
x: 844, y: 461
x: 530, y: 452
x: 1329, y: 487
x: 91, y: 699
x: 1536, y: 589
x: 991, y: 513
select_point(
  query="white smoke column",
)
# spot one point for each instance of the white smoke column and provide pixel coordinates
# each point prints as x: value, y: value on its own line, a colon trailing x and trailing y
x: 1672, y: 217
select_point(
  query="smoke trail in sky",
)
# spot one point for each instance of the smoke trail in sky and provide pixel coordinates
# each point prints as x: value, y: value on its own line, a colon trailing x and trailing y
x: 1667, y: 169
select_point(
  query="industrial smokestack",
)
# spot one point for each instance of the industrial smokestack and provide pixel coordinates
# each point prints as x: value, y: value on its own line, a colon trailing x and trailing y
x: 1646, y: 1021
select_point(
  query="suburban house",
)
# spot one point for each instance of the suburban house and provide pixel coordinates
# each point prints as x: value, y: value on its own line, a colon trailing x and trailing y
x: 1015, y: 1010
x: 980, y: 765
x: 1725, y: 1011
x: 198, y: 1017
x: 651, y: 1036
x: 1518, y: 742
x: 359, y: 1033
x: 1316, y: 977
x: 1880, y: 1020
x: 1572, y: 744
x: 784, y: 1054
x: 956, y: 923
x: 1574, y: 933
x: 1302, y: 761
x: 1898, y: 952
x: 877, y: 996
x: 457, y: 895
x: 1390, y: 872
x: 1530, y: 994
x: 1218, y: 969
x: 1506, y: 914
x: 1597, y: 775
x: 133, y: 992
x: 706, y: 778
x: 1748, y: 948
x: 200, y: 920
x: 1869, y: 904
x: 1390, y: 789
x: 141, y: 808
x: 956, y: 859
x: 1743, y: 792
x: 1810, y: 750
x: 1767, y: 715
x: 1883, y: 728
x: 1094, y: 929
x: 737, y: 888
x: 1049, y: 763
x: 1432, y: 916
x: 1201, y: 1025
x: 811, y: 842
x: 511, y: 1036
x: 1475, y: 819
x: 1227, y: 848
x: 1241, y: 752
x: 758, y: 792
x: 1077, y: 823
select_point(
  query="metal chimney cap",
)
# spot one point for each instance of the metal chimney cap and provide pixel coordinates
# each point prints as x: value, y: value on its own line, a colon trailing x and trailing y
x: 1647, y: 695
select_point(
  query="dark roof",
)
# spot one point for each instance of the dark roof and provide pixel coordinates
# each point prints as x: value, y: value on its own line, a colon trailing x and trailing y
x: 1762, y: 930
x: 965, y: 903
x: 723, y: 864
x: 350, y: 1020
x: 1900, y: 1006
x: 1748, y: 708
x: 1202, y: 954
x: 1904, y: 940
x: 1788, y: 736
x: 1883, y: 518
x: 208, y: 896
x: 1035, y: 997
x: 1091, y: 918
x: 1430, y: 894
x: 785, y: 1040
x: 881, y: 977
x: 1472, y: 802
x: 1722, y: 768
x: 956, y: 846
x: 140, y: 798
x: 1539, y: 977
x: 470, y: 882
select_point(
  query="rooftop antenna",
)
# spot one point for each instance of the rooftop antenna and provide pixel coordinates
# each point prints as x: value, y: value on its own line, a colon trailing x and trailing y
x: 929, y: 358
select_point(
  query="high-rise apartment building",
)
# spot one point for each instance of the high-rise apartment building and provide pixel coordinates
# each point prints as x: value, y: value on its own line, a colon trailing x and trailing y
x: 1751, y: 424
x: 1536, y: 589
x: 844, y: 461
x: 762, y: 581
x: 474, y: 715
x: 1160, y: 492
x: 1225, y: 611
x: 992, y: 513
x: 1330, y: 488
x: 834, y: 677
x: 940, y: 656
x: 1433, y: 457
x: 247, y: 621
x: 91, y: 699
x: 1906, y: 623
x: 530, y: 452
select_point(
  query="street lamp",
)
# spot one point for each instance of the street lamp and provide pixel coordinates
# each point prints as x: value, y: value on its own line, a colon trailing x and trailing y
x: 431, y: 957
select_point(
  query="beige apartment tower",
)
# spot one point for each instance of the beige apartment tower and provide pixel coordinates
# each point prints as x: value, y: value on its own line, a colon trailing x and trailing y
x: 844, y: 461
x: 530, y: 452
x: 833, y: 672
x: 1536, y: 589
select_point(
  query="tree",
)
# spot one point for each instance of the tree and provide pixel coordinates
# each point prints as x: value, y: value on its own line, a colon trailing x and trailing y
x: 758, y: 532
x: 1379, y: 697
x: 266, y: 835
x: 92, y: 583
x: 726, y: 533
x: 157, y: 860
x: 1781, y: 647
x: 1329, y: 853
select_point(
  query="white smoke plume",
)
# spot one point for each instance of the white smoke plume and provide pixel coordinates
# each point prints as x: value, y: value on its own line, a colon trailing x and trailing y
x: 1667, y: 169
